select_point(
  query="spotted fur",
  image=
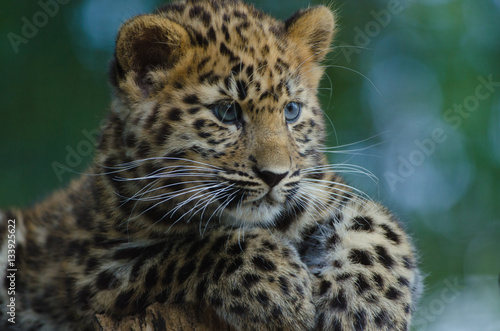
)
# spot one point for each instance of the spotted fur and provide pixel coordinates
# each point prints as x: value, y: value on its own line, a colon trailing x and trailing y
x: 209, y: 186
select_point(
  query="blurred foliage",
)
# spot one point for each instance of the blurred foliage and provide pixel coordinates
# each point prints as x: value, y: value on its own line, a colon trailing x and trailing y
x: 399, y: 71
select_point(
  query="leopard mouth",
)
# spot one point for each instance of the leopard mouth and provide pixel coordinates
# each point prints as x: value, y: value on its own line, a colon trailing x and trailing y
x: 267, y: 198
x: 257, y: 210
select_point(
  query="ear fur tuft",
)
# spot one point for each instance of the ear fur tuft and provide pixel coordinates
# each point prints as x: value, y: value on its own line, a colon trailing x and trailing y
x: 315, y: 28
x: 149, y: 41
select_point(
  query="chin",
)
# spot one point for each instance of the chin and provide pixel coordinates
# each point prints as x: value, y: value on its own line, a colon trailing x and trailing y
x: 254, y: 214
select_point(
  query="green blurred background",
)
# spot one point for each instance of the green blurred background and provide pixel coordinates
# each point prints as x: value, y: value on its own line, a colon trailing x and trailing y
x: 414, y: 84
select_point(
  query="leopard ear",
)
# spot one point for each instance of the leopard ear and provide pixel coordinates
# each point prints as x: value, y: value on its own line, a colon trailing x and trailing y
x: 313, y: 27
x: 146, y: 42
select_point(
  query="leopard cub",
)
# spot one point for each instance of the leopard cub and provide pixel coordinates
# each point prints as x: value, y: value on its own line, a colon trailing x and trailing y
x: 209, y: 187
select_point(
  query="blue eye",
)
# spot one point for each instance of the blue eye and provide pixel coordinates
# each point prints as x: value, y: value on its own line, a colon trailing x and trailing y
x: 292, y: 112
x: 227, y: 113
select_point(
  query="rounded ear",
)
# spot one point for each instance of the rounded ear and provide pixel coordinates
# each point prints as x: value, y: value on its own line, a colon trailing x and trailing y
x: 315, y: 28
x: 146, y: 42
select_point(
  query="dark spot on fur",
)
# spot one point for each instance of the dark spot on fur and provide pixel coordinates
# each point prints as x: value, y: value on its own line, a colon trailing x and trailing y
x: 219, y: 244
x: 407, y: 309
x: 136, y: 270
x: 219, y: 269
x: 91, y: 265
x: 263, y: 264
x: 162, y: 297
x: 203, y: 63
x: 238, y: 309
x: 269, y: 245
x: 130, y: 140
x: 384, y: 257
x: 204, y: 135
x: 242, y: 90
x: 178, y: 85
x: 284, y: 221
x: 185, y: 272
x: 333, y: 241
x: 408, y: 262
x: 276, y: 312
x: 142, y: 302
x: 360, y: 320
x: 337, y: 264
x: 265, y: 51
x: 237, y: 248
x: 198, y: 124
x: 201, y: 13
x: 180, y: 297
x: 393, y: 293
x: 143, y: 149
x: 151, y: 277
x: 324, y: 286
x: 284, y: 285
x: 250, y: 279
x: 236, y: 69
x: 378, y: 280
x: 249, y: 71
x: 234, y: 265
x: 390, y: 234
x: 84, y: 296
x: 360, y: 256
x: 404, y: 281
x: 339, y: 301
x: 191, y: 99
x: 343, y: 276
x: 336, y: 325
x: 201, y: 289
x: 381, y: 319
x: 169, y: 274
x: 361, y: 284
x: 106, y: 280
x: 211, y: 35
x: 225, y: 51
x: 205, y: 264
x: 175, y: 114
x: 163, y: 133
x: 216, y: 301
x: 362, y: 223
x: 194, y: 110
x: 176, y: 154
x: 236, y: 292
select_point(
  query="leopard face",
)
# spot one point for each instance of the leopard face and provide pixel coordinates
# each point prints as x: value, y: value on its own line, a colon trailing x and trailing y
x: 216, y: 114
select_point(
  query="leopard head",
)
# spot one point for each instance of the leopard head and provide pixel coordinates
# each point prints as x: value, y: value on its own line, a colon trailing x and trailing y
x: 215, y: 114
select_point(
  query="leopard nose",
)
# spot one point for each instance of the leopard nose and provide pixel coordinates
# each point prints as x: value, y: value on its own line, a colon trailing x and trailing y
x: 270, y: 178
